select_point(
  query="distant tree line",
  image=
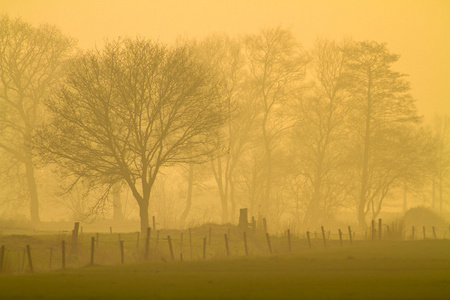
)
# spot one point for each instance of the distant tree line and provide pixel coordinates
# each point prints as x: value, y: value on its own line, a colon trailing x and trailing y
x: 288, y: 132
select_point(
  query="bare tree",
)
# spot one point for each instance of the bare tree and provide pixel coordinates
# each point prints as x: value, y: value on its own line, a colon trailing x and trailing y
x: 30, y: 64
x: 320, y: 134
x: 276, y: 64
x: 381, y: 101
x: 129, y: 110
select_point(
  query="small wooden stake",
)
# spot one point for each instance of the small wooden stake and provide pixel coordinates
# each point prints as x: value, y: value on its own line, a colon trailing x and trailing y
x: 245, y: 243
x: 289, y: 240
x: 340, y: 236
x: 92, y: 249
x: 309, y: 239
x: 2, y: 257
x: 181, y: 256
x: 30, y: 263
x: 324, y: 238
x: 63, y: 254
x: 147, y: 242
x: 170, y: 248
x: 268, y: 243
x: 350, y: 235
x: 226, y: 245
x: 204, y: 248
x: 434, y: 233
x: 154, y: 222
x: 121, y: 252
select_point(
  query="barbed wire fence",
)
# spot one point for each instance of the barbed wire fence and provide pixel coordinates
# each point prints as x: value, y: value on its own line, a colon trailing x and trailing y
x: 51, y: 251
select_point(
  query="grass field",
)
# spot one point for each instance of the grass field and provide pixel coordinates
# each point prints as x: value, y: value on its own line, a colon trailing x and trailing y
x: 366, y: 270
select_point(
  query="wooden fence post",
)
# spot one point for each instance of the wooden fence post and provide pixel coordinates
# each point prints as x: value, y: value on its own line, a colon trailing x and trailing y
x: 424, y: 234
x: 75, y: 237
x: 226, y: 245
x: 373, y: 230
x: 121, y: 253
x: 268, y: 243
x: 350, y: 235
x: 172, y: 257
x: 309, y: 239
x: 204, y: 248
x: 92, y: 250
x: 63, y: 254
x: 434, y: 233
x: 147, y: 242
x: 97, y: 238
x: 30, y: 263
x: 154, y: 222
x: 2, y: 257
x: 324, y: 238
x: 289, y: 240
x: 340, y: 236
x: 245, y: 243
x: 380, y: 228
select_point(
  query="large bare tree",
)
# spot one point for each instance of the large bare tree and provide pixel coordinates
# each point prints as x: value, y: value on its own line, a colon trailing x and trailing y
x: 127, y: 111
x: 381, y: 104
x: 30, y: 64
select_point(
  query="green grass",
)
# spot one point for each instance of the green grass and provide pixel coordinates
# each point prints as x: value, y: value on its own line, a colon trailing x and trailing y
x: 379, y: 270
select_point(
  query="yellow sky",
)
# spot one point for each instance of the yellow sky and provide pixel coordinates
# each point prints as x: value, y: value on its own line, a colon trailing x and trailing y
x: 417, y: 30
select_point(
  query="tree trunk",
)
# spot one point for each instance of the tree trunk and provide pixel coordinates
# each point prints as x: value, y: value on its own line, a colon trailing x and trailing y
x: 143, y: 214
x: 187, y: 209
x: 117, y: 205
x: 32, y: 190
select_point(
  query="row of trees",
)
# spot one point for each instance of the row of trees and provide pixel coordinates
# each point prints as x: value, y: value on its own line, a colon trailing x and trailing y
x: 287, y: 132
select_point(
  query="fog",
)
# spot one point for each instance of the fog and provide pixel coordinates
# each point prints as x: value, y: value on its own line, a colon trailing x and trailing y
x: 296, y: 120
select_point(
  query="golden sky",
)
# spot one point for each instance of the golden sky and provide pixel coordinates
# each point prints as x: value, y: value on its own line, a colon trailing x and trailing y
x: 417, y: 30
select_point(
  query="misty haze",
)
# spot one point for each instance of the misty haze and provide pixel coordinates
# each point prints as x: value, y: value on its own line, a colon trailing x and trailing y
x: 224, y: 150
